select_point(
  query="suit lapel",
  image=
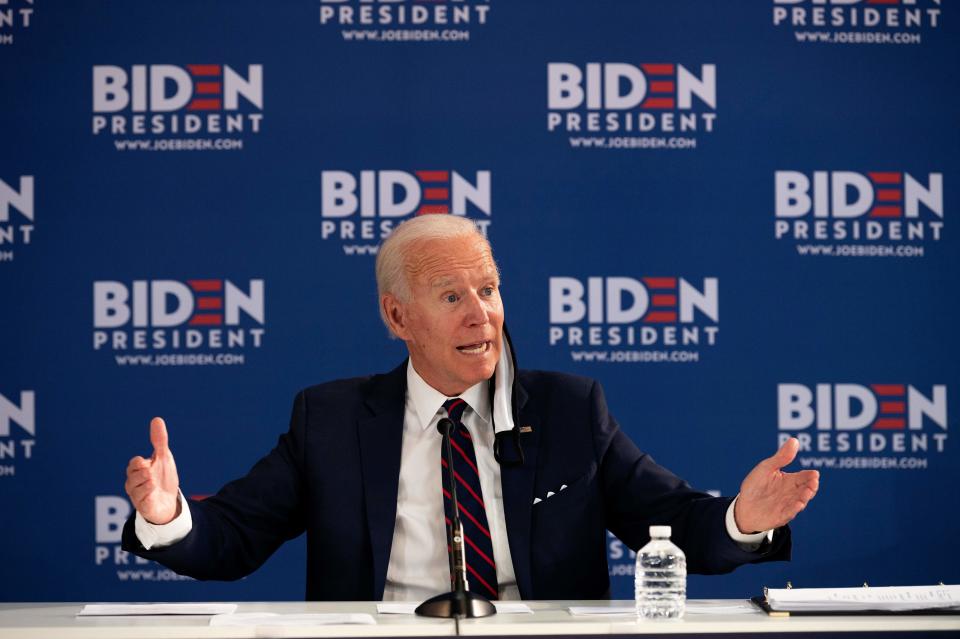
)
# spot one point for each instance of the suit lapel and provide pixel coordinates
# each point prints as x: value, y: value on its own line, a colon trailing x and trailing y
x: 381, y: 439
x: 517, y: 486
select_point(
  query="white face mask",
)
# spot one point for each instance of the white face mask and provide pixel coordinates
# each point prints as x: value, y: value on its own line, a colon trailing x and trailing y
x: 503, y: 389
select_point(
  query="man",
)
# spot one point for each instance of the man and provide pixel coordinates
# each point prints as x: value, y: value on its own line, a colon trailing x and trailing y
x: 359, y: 470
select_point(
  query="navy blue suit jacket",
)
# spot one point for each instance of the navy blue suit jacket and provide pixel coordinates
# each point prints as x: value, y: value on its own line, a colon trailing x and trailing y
x: 335, y: 473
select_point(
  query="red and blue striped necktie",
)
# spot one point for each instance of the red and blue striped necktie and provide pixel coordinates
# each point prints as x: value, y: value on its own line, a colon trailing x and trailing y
x: 481, y: 569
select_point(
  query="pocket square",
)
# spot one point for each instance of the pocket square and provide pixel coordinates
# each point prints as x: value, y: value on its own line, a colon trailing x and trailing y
x: 550, y: 493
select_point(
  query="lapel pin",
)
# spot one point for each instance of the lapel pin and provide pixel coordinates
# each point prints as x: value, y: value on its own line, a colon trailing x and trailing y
x: 526, y: 429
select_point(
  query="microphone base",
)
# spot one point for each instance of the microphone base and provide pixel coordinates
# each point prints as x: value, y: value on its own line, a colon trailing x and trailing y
x: 455, y: 604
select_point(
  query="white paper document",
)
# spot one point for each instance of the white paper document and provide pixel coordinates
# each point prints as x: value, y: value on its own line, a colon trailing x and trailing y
x: 408, y: 608
x: 123, y: 610
x: 578, y: 611
x: 721, y: 607
x: 693, y: 607
x: 302, y: 620
x: 512, y: 608
x: 890, y: 598
x: 399, y: 608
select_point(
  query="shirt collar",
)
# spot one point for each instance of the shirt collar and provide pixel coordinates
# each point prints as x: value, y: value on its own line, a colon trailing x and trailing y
x: 428, y: 400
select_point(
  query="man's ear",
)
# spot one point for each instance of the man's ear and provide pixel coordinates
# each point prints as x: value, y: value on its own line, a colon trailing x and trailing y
x: 396, y: 313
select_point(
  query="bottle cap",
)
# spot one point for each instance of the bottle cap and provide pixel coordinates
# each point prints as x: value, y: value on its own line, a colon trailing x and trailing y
x: 660, y: 531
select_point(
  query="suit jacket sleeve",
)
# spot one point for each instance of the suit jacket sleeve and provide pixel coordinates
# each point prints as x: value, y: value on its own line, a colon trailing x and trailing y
x: 638, y: 493
x: 236, y: 530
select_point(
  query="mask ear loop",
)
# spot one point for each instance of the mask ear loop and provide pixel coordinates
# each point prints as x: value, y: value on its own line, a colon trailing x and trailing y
x: 498, y: 440
x: 514, y: 433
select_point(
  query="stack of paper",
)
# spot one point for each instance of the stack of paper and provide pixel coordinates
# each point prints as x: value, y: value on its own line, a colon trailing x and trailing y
x: 123, y: 610
x: 579, y: 611
x: 301, y: 620
x: 693, y: 607
x: 887, y: 598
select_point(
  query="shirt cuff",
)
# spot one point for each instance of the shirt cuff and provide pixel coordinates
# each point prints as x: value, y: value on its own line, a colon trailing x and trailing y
x: 748, y: 542
x: 160, y: 536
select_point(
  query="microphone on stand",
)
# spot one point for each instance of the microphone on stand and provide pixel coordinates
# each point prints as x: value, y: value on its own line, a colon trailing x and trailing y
x: 459, y: 602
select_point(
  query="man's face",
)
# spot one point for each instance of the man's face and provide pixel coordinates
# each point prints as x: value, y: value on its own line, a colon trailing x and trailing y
x: 453, y: 321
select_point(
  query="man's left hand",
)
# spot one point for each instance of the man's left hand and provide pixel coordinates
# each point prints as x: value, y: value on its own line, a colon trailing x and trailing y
x: 769, y: 497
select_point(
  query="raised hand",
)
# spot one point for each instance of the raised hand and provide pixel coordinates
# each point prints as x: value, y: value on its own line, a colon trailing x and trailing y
x: 152, y: 484
x: 769, y: 497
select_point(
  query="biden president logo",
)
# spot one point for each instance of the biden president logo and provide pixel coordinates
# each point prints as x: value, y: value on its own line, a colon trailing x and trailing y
x: 178, y: 323
x: 623, y: 105
x: 879, y: 213
x: 893, y: 425
x: 166, y: 107
x: 18, y: 430
x: 360, y: 209
x: 16, y: 215
x: 412, y: 21
x: 634, y: 319
x: 873, y: 22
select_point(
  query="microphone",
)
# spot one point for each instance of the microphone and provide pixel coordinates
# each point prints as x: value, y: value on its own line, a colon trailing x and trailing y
x: 460, y: 602
x: 457, y: 553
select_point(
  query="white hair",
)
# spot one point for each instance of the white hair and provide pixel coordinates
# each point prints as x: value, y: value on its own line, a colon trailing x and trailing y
x: 393, y: 253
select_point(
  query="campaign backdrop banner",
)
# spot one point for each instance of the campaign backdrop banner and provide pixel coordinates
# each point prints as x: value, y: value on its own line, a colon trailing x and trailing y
x: 737, y: 216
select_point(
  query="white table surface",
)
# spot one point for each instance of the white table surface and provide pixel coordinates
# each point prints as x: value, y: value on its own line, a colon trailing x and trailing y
x: 553, y: 618
x: 59, y: 620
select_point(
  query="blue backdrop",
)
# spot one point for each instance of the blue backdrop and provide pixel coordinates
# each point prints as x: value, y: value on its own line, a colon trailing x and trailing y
x: 732, y: 214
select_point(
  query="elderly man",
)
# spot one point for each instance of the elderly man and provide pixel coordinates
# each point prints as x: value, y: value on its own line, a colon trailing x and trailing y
x: 542, y: 468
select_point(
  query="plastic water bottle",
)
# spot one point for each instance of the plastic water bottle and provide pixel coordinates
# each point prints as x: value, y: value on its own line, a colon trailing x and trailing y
x: 661, y: 577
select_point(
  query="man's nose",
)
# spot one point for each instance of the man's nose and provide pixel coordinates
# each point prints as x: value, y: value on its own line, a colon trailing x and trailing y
x: 476, y: 311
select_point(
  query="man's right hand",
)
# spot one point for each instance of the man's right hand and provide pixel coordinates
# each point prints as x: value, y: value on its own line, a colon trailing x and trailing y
x: 152, y: 484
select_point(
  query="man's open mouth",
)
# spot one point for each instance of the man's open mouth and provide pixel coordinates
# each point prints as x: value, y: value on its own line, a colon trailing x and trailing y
x: 475, y: 349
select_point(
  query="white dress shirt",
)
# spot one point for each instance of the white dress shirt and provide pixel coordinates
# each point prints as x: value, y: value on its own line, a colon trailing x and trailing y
x: 418, y: 566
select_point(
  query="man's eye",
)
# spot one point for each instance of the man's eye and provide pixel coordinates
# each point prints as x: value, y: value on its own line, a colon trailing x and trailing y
x: 487, y: 290
x: 450, y: 297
